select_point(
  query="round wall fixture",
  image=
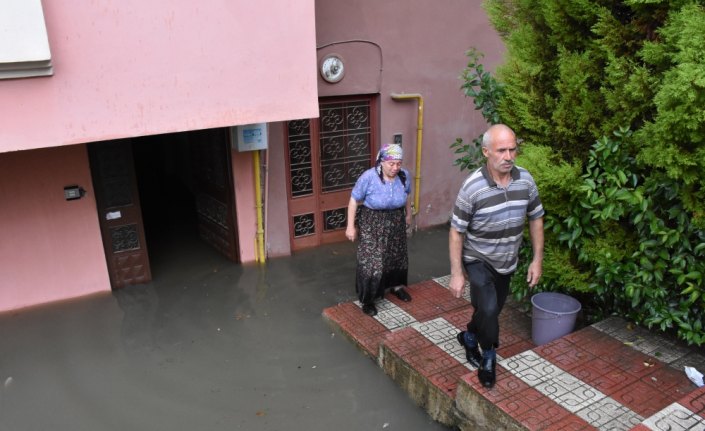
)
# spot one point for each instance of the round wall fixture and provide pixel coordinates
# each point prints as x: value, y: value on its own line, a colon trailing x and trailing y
x: 332, y: 68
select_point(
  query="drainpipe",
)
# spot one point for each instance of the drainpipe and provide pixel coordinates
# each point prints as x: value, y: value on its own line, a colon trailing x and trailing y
x: 259, y: 241
x: 419, y: 145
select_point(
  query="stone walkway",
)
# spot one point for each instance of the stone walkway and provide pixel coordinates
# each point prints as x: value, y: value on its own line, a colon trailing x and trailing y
x: 607, y: 376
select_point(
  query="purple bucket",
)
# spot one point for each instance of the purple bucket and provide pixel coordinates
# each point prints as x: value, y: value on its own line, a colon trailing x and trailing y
x: 552, y: 316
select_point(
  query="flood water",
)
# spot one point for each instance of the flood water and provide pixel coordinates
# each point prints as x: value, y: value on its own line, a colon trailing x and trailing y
x: 208, y: 345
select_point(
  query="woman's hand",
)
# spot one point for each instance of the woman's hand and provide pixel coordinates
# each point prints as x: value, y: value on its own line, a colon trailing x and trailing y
x: 351, y: 233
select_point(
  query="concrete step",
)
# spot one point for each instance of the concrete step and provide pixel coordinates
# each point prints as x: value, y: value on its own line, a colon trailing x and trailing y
x: 606, y: 376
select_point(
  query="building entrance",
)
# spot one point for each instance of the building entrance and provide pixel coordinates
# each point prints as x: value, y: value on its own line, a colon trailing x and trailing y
x: 156, y: 193
x: 326, y: 156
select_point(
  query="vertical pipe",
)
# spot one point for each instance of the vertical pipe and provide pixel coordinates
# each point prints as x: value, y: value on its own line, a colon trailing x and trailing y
x: 259, y: 239
x: 419, y: 145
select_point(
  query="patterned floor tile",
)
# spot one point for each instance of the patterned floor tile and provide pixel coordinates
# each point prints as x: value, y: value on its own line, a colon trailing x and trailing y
x: 695, y: 402
x: 597, y: 374
x: 675, y: 417
x: 692, y: 359
x: 642, y: 398
x: 509, y: 350
x: 670, y: 380
x: 660, y: 348
x: 569, y: 392
x: 459, y: 317
x: 438, y: 331
x: 390, y: 315
x: 633, y: 362
x: 447, y: 380
x: 529, y: 407
x: 554, y: 348
x: 506, y: 386
x: 641, y: 340
x: 584, y: 381
x: 530, y: 367
x: 586, y: 337
x: 571, y: 423
x: 406, y: 341
x: 443, y: 334
x: 609, y: 414
x: 430, y: 361
x: 612, y: 381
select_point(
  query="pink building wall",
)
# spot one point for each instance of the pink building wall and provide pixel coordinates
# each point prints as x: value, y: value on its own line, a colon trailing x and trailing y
x: 127, y: 68
x: 404, y: 46
x: 243, y: 169
x: 413, y: 46
x: 50, y: 248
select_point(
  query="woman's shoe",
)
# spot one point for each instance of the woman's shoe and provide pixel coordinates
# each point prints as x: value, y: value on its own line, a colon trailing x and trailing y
x: 369, y: 309
x: 402, y: 294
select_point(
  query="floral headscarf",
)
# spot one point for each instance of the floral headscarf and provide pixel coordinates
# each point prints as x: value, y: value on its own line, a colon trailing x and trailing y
x: 386, y: 153
x: 390, y: 152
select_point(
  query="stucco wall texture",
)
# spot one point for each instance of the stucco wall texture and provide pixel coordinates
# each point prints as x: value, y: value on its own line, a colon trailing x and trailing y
x: 409, y: 46
x: 129, y: 68
x: 50, y: 248
x: 125, y: 68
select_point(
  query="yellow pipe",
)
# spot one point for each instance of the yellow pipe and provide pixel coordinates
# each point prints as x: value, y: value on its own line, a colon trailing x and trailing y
x: 259, y: 240
x: 419, y: 145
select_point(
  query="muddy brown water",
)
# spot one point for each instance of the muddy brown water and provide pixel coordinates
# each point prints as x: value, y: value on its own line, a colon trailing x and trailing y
x: 208, y: 345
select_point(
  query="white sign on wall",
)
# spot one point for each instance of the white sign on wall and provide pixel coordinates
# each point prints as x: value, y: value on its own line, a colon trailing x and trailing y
x: 251, y: 137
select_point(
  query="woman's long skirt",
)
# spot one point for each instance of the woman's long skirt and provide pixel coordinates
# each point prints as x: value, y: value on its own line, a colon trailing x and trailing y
x: 382, y: 258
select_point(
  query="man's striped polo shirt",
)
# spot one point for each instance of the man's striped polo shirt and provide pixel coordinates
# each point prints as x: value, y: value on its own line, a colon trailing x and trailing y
x: 493, y: 217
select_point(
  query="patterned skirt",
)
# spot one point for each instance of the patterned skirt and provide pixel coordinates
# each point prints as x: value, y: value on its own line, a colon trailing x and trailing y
x: 382, y: 259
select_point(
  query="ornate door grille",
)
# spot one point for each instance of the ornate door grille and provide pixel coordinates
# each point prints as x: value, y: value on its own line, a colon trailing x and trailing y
x: 119, y: 212
x: 345, y: 143
x: 326, y: 157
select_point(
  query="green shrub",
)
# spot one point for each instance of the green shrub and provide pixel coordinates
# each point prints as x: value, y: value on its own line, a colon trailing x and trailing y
x: 625, y: 212
x: 486, y: 93
x: 627, y: 246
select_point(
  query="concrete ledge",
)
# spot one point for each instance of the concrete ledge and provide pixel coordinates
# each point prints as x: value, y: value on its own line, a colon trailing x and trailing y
x: 610, y: 375
x: 437, y: 401
x: 476, y: 412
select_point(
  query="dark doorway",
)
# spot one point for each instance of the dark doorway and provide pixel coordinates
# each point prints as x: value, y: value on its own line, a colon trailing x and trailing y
x: 183, y: 195
x: 185, y: 184
x: 167, y: 191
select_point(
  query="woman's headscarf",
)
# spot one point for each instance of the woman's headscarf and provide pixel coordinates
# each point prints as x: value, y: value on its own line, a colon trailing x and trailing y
x: 386, y: 153
x: 390, y: 152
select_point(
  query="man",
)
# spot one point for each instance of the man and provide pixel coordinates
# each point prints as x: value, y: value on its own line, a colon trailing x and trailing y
x: 486, y: 232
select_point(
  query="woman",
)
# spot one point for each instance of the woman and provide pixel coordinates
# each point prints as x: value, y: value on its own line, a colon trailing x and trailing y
x: 379, y: 213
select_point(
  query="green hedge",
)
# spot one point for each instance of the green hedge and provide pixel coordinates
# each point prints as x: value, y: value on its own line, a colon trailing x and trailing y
x: 618, y: 238
x: 608, y: 98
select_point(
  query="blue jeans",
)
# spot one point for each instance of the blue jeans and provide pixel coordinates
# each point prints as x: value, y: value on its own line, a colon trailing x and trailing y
x: 488, y: 293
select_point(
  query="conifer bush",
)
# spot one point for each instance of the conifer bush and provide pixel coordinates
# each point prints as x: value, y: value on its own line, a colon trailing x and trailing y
x: 608, y: 98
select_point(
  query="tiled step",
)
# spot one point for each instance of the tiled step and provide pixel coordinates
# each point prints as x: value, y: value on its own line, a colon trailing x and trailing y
x: 608, y: 376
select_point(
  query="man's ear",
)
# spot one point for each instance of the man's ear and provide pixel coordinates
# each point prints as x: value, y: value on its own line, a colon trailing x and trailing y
x: 484, y: 151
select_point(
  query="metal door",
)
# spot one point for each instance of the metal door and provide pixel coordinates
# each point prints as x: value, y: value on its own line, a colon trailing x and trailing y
x: 215, y: 198
x: 119, y: 211
x: 326, y: 156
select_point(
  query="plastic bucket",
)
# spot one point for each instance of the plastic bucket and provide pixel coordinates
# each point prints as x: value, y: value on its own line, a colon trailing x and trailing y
x: 552, y: 316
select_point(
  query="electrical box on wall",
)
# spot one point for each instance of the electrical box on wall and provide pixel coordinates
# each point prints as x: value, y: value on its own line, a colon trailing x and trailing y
x: 250, y: 137
x: 397, y: 138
